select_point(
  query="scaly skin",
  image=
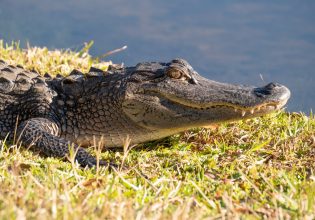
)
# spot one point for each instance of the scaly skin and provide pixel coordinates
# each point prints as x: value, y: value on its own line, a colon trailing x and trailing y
x: 146, y: 102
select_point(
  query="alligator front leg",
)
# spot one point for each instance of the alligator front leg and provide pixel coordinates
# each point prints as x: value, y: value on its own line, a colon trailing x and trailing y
x: 43, y: 135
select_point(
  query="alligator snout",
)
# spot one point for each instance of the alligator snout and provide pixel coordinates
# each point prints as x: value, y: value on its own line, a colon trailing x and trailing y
x: 271, y: 89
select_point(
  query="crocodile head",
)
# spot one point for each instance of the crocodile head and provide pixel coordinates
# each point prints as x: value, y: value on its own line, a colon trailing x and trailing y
x: 174, y: 96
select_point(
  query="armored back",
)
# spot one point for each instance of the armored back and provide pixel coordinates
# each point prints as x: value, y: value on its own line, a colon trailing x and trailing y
x: 23, y: 94
x: 15, y: 80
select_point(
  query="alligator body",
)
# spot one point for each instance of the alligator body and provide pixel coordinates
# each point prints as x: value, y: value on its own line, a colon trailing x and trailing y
x: 146, y: 102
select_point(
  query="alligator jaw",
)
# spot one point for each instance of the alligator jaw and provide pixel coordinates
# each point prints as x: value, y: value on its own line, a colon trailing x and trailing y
x: 263, y: 108
x: 259, y: 109
x: 250, y: 104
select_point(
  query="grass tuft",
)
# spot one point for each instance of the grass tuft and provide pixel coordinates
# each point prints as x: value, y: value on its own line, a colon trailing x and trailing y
x: 53, y: 62
x: 258, y: 168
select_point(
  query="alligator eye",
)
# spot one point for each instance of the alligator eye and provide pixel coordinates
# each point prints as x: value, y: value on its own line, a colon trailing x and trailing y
x: 174, y: 73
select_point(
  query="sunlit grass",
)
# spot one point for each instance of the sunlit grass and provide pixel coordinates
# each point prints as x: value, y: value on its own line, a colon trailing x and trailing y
x: 258, y: 168
x: 53, y: 62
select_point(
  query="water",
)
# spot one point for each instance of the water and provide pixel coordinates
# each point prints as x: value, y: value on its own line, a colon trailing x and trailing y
x: 230, y: 41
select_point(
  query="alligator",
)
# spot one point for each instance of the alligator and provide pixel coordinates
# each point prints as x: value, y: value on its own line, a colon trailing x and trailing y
x: 145, y: 102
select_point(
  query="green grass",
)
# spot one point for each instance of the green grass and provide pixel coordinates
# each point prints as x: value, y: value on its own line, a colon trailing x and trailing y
x: 258, y: 168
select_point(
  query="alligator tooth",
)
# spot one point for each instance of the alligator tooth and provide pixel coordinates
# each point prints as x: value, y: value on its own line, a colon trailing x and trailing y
x: 252, y: 111
x: 258, y: 108
x: 235, y: 109
x: 243, y: 113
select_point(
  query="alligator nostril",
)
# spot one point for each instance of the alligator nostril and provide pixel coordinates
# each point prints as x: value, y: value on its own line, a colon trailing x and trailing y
x: 271, y: 85
x: 266, y: 90
x: 262, y: 92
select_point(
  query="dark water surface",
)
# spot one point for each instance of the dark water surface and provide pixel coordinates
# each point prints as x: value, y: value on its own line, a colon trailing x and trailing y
x: 231, y: 41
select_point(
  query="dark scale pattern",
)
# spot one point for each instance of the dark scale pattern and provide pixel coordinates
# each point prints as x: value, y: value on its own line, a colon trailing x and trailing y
x: 26, y: 100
